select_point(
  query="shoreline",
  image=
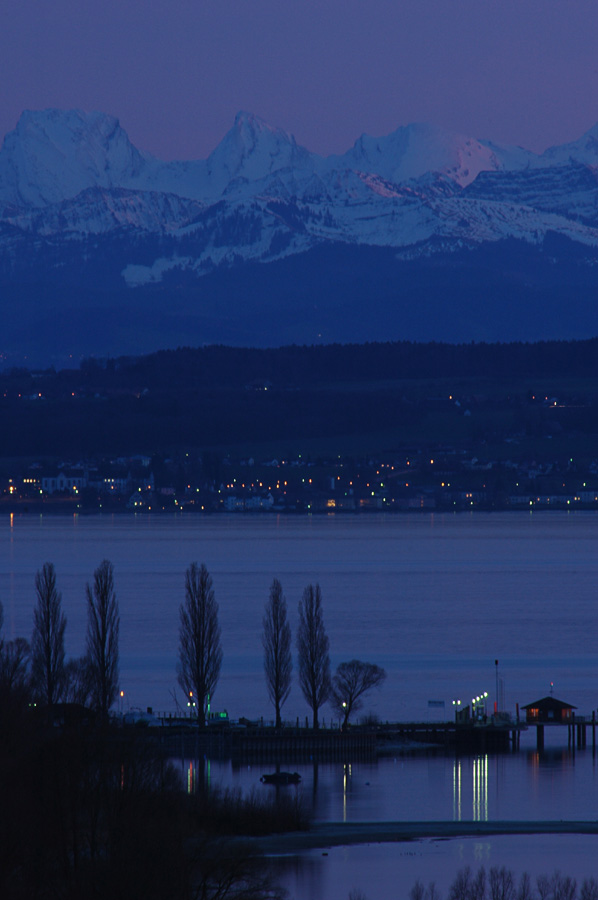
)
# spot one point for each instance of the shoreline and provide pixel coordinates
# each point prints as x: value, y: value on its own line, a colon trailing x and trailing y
x: 335, y: 834
x: 69, y: 507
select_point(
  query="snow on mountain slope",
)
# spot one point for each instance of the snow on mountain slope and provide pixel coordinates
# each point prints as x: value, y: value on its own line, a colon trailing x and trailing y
x: 583, y: 151
x: 261, y: 196
x: 413, y: 150
x: 266, y: 228
x: 99, y: 211
x: 569, y: 190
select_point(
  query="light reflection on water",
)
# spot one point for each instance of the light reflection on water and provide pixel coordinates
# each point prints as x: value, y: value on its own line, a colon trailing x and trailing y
x: 480, y: 788
x: 558, y: 783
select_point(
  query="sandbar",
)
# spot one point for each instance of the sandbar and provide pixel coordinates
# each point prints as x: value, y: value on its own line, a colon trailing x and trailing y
x: 335, y: 834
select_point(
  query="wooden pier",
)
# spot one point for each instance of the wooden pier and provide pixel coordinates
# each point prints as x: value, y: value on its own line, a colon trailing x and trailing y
x: 265, y: 744
x: 465, y: 737
x: 577, y: 731
x: 304, y: 745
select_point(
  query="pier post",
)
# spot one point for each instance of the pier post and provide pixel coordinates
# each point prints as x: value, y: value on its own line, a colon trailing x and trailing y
x: 539, y: 737
x: 594, y: 731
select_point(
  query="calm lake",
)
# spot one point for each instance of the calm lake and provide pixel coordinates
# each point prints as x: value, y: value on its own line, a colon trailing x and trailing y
x: 434, y: 599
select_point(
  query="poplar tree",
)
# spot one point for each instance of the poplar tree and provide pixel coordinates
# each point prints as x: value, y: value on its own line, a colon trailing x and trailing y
x: 200, y: 649
x: 312, y: 651
x: 103, y: 625
x: 47, y: 642
x: 276, y: 639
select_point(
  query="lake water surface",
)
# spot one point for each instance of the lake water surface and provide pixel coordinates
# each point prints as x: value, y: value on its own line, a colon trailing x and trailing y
x: 434, y: 599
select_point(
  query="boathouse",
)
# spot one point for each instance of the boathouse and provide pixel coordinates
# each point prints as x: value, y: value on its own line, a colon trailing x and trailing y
x: 549, y: 710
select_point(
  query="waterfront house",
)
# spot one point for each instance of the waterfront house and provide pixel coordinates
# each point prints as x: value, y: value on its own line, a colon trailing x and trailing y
x: 549, y: 710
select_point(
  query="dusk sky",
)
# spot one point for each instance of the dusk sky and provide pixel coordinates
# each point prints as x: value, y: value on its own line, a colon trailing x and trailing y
x: 175, y: 72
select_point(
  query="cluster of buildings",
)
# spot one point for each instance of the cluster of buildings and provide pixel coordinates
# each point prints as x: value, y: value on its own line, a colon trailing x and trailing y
x: 449, y: 480
x: 121, y: 478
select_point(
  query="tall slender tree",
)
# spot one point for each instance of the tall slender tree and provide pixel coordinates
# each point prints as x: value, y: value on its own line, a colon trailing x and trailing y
x: 103, y: 625
x: 47, y: 642
x: 312, y: 650
x: 200, y: 648
x: 276, y: 639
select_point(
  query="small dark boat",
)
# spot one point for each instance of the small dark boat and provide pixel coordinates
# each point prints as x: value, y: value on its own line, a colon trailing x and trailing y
x: 281, y: 778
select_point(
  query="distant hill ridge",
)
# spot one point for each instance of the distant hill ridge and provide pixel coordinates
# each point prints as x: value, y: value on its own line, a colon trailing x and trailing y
x: 297, y: 366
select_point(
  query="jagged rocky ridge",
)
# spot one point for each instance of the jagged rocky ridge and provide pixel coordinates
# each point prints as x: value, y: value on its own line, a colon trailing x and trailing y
x: 90, y: 222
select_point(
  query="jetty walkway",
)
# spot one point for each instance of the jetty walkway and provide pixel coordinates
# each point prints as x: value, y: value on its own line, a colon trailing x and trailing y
x: 265, y: 743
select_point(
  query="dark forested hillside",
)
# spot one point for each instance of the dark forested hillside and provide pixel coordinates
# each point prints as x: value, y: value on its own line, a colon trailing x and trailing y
x: 397, y: 393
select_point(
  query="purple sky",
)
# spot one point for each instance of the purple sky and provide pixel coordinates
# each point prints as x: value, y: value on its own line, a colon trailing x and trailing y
x: 175, y: 72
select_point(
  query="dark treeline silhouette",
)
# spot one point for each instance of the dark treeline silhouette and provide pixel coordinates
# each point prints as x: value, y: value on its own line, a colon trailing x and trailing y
x: 221, y: 366
x: 218, y: 396
x: 500, y: 883
x: 91, y: 809
x: 92, y: 681
x: 229, y: 367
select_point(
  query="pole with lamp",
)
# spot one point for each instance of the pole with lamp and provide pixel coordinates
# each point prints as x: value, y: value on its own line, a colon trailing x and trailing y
x: 496, y: 701
x: 457, y: 707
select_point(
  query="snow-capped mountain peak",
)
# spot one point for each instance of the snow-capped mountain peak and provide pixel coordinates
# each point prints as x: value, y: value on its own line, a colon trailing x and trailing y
x: 414, y: 150
x: 251, y: 150
x: 53, y: 155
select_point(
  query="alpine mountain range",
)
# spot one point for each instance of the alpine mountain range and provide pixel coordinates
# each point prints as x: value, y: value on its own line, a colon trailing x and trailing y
x: 420, y: 235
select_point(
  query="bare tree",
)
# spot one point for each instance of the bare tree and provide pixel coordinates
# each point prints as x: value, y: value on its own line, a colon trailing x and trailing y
x: 351, y: 681
x: 501, y: 884
x: 460, y: 889
x: 479, y: 885
x: 312, y: 650
x: 14, y: 664
x: 589, y: 889
x: 525, y: 891
x: 103, y: 625
x: 200, y: 649
x: 47, y: 642
x: 278, y: 663
x: 78, y: 681
x: 417, y: 892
